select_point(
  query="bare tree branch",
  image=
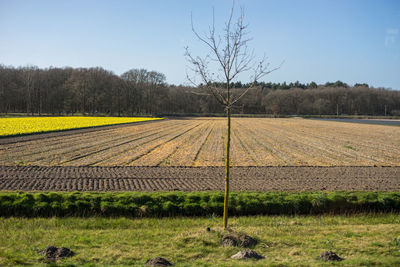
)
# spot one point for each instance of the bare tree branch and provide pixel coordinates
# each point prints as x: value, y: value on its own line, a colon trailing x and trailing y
x: 232, y: 56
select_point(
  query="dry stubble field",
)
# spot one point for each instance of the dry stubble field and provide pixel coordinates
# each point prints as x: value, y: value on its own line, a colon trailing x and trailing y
x: 259, y: 146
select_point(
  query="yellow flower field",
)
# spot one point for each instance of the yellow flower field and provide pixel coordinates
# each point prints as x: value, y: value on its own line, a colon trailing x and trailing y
x: 17, y: 126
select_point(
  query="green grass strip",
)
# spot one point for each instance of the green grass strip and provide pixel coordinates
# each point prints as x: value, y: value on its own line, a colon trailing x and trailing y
x: 166, y: 204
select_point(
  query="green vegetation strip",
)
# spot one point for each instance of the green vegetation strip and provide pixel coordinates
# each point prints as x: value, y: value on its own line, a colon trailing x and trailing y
x: 362, y: 240
x: 166, y: 204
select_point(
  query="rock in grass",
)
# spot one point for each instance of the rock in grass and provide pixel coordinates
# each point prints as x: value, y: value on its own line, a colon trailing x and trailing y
x: 330, y: 256
x: 238, y: 240
x: 54, y: 253
x: 63, y: 252
x: 228, y: 241
x: 158, y: 261
x: 247, y: 254
x: 50, y: 251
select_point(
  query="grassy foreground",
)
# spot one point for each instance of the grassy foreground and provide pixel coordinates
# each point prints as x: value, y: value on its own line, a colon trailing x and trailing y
x: 285, y: 241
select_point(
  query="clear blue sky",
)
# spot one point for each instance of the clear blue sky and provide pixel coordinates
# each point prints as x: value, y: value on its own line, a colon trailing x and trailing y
x: 324, y: 40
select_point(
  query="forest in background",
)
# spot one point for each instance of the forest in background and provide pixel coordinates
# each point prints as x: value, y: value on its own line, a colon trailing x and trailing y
x: 69, y: 91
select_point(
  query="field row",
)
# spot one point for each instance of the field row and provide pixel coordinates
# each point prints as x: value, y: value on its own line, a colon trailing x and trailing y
x: 200, y: 142
x: 34, y: 178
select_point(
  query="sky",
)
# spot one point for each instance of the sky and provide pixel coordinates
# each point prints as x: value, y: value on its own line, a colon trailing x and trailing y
x: 355, y: 41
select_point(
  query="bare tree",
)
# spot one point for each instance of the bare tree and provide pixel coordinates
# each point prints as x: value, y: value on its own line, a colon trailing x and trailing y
x: 228, y: 58
x: 30, y: 77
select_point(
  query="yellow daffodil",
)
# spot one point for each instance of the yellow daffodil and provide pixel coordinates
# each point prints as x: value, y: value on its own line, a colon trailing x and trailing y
x: 26, y: 125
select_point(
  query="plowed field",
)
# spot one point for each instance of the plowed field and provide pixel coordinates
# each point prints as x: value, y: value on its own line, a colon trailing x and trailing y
x: 200, y: 143
x: 30, y: 178
x: 188, y: 154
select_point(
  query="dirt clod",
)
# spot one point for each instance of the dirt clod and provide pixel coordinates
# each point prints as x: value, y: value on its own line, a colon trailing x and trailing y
x: 330, y: 256
x: 158, y: 261
x: 238, y: 240
x: 54, y: 253
x: 247, y: 254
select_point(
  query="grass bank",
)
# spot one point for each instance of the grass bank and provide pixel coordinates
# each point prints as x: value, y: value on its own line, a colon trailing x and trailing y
x: 166, y: 204
x: 363, y: 240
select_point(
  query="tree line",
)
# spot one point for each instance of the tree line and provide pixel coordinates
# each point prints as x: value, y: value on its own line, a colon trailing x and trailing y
x: 68, y: 91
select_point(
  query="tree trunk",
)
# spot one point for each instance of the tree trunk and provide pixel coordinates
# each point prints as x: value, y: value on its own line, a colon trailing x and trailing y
x: 119, y: 103
x: 337, y: 110
x: 227, y: 165
x: 227, y: 159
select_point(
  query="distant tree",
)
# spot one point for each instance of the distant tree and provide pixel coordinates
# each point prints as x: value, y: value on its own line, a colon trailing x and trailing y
x: 312, y: 85
x: 231, y: 54
x: 284, y: 86
x: 336, y: 84
x: 29, y: 74
x: 361, y: 85
x: 139, y: 91
x: 275, y: 109
x: 142, y: 86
